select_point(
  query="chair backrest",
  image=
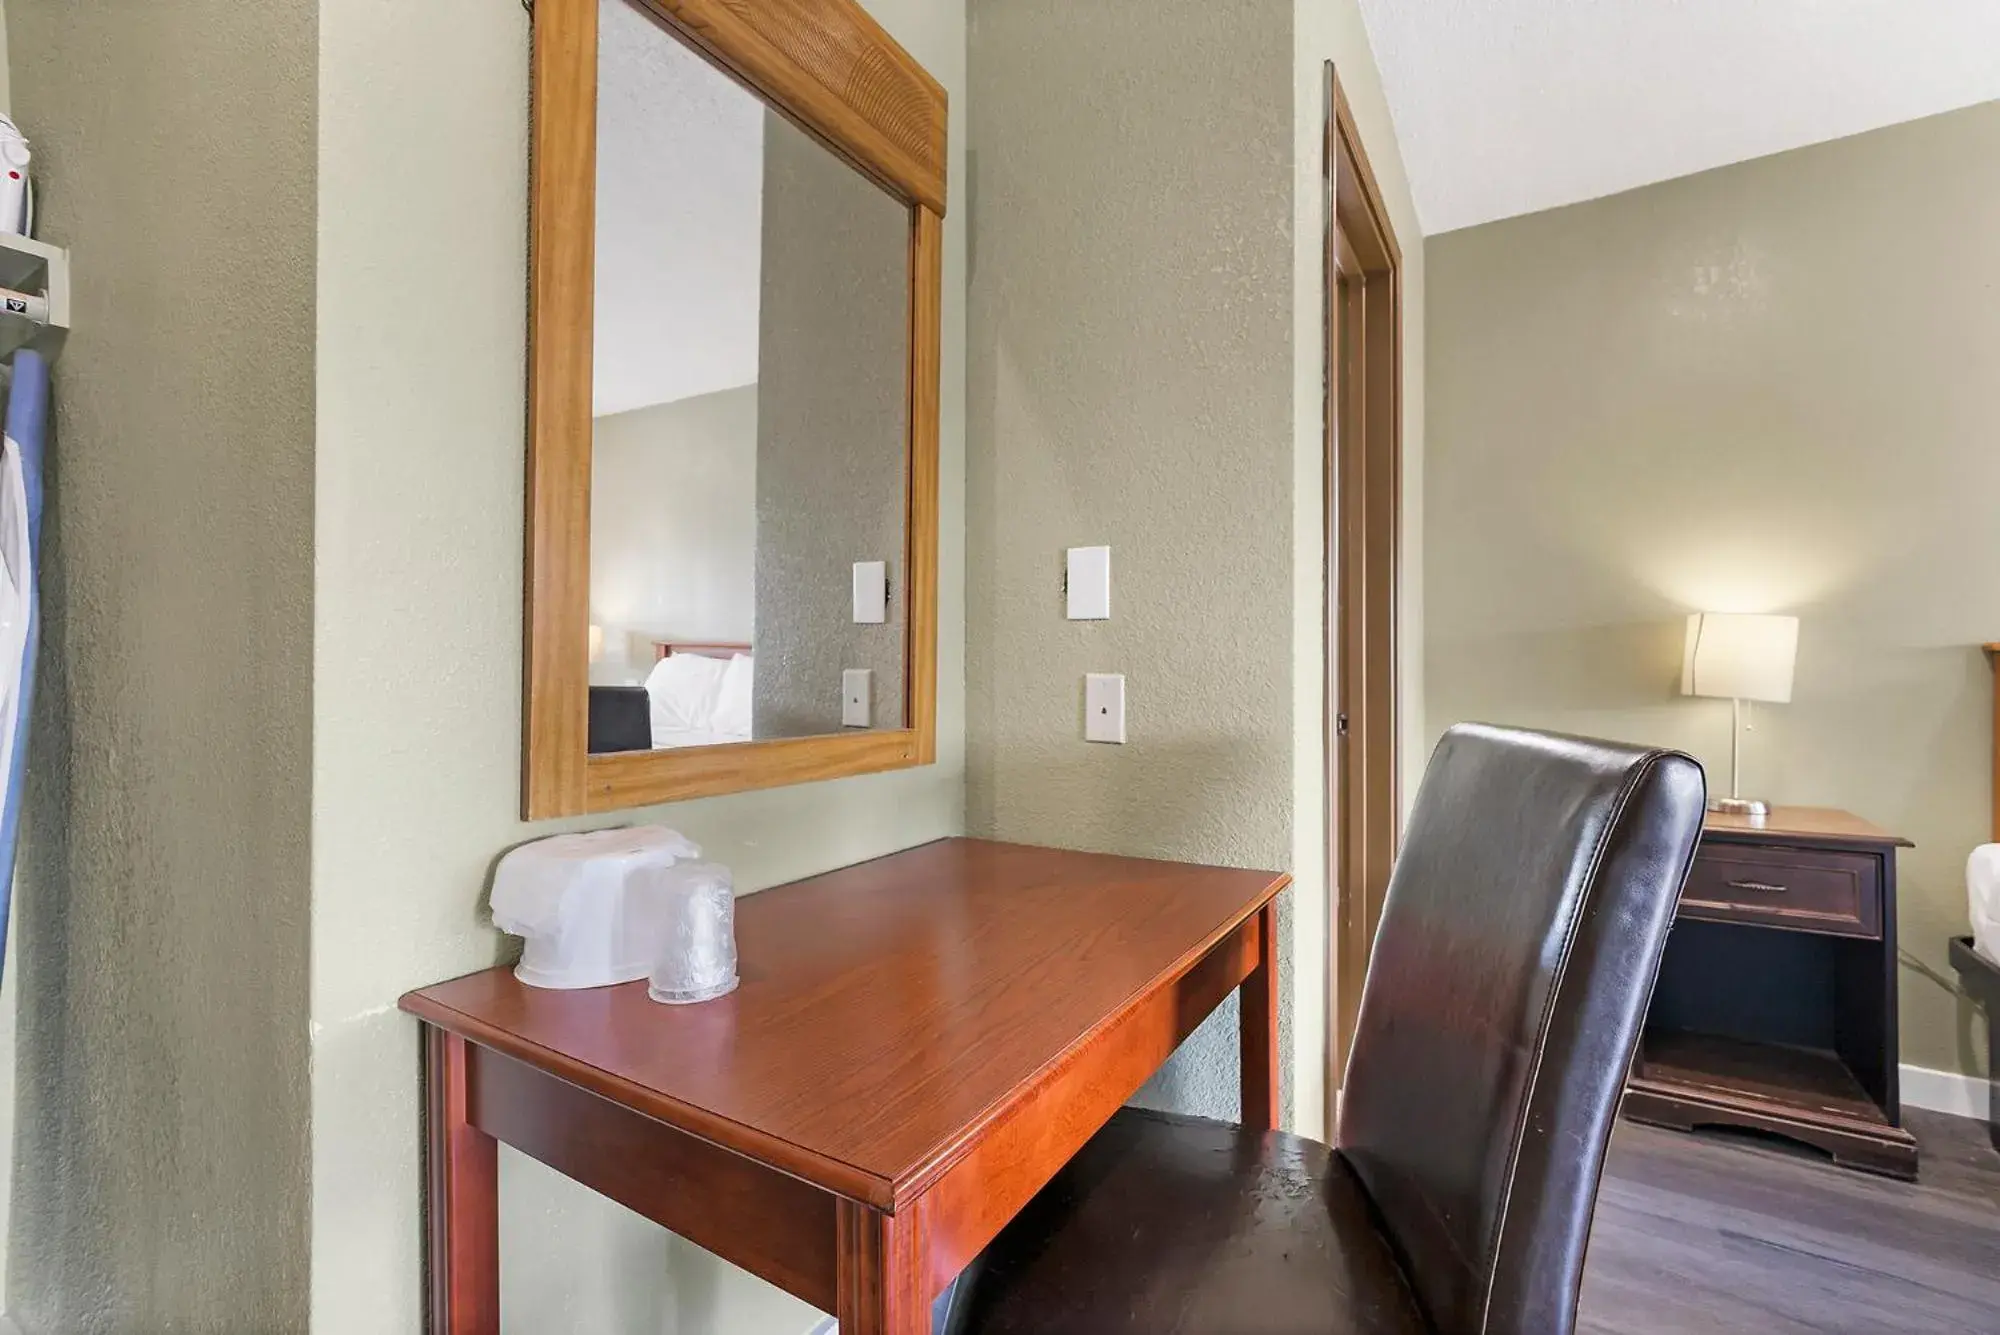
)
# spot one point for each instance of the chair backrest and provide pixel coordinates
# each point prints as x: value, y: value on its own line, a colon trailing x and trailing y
x: 1507, y: 991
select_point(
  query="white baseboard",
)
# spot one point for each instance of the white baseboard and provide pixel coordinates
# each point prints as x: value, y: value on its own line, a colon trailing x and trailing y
x: 1945, y: 1092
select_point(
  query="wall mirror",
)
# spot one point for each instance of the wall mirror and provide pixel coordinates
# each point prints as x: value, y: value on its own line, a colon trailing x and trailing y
x: 732, y: 489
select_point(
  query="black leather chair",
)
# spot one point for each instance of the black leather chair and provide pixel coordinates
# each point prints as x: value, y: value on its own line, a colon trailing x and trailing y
x: 1509, y: 983
x: 621, y: 719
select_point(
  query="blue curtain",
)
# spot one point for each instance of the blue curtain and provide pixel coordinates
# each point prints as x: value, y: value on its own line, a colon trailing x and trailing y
x: 26, y: 431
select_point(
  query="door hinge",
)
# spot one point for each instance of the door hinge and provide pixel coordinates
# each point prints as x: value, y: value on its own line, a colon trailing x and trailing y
x: 1340, y: 725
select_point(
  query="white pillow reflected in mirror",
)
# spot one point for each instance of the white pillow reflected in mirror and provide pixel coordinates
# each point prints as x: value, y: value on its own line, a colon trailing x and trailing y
x: 732, y: 699
x: 683, y: 688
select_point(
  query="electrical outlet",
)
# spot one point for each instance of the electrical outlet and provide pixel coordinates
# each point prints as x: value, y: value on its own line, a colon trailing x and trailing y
x: 857, y: 697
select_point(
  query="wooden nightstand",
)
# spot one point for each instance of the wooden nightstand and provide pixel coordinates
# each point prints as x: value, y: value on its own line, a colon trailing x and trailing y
x: 1776, y: 1006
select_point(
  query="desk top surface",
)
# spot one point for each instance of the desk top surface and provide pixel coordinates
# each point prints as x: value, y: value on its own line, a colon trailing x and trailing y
x: 886, y: 1011
x: 1827, y: 823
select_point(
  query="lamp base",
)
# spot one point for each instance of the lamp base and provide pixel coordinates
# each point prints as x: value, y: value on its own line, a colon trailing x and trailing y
x: 1739, y: 806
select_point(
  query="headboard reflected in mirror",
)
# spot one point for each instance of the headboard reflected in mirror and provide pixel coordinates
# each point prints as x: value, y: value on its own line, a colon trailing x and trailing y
x: 668, y: 648
x: 732, y: 439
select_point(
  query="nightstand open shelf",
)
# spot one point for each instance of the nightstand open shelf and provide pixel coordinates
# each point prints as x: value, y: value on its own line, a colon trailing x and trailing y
x: 1752, y: 1074
x: 1775, y: 1009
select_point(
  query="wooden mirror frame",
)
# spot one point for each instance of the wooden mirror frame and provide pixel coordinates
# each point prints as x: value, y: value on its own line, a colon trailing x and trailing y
x: 832, y: 70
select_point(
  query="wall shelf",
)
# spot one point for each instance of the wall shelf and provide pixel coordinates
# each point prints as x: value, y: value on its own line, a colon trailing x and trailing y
x: 28, y: 265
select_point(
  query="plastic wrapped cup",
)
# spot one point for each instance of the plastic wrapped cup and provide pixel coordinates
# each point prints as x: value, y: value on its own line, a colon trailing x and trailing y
x: 695, y: 959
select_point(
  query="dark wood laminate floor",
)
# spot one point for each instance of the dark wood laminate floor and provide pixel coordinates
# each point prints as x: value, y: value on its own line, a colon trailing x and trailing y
x: 1715, y: 1235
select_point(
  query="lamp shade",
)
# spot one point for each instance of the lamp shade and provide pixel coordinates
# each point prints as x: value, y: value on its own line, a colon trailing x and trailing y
x: 596, y: 643
x: 1740, y: 657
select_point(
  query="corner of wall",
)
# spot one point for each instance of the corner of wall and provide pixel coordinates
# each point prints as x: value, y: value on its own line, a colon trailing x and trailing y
x: 1333, y: 30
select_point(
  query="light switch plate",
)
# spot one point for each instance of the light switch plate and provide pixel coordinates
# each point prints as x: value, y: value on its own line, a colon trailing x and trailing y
x: 1089, y: 584
x: 1104, y: 707
x: 871, y: 592
x: 857, y: 697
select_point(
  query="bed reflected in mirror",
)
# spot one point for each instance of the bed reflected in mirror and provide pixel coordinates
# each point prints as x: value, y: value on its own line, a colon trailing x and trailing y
x: 750, y: 371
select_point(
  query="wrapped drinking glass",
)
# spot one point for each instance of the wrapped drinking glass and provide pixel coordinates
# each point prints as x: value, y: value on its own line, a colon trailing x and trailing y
x: 695, y: 957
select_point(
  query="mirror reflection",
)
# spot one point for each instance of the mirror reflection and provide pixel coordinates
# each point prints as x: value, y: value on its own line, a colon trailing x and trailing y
x: 749, y: 390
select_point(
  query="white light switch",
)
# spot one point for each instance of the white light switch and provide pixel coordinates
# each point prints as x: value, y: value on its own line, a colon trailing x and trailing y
x: 1089, y: 584
x: 857, y: 697
x: 871, y: 592
x: 1104, y: 707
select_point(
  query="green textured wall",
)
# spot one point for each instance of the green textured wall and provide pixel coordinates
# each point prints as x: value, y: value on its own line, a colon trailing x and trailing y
x: 1145, y: 372
x: 161, y: 1135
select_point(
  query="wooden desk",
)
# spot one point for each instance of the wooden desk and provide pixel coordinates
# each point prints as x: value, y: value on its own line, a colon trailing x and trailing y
x: 917, y: 1045
x: 1776, y: 1003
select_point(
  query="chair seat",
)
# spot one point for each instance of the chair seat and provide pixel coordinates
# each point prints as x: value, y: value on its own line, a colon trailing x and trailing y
x: 1167, y: 1224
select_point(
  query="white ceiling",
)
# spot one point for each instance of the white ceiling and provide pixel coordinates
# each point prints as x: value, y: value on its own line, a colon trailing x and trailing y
x: 680, y: 186
x: 1505, y: 107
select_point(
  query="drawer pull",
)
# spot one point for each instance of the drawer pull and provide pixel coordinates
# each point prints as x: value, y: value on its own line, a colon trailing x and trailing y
x: 1760, y: 887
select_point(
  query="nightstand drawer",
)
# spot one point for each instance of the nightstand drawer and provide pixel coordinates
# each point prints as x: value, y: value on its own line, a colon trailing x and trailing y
x: 1810, y: 890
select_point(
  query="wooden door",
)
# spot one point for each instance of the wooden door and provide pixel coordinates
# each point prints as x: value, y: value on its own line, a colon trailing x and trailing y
x: 1363, y: 414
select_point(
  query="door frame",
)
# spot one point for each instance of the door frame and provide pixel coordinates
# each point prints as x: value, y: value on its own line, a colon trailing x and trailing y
x: 1362, y: 439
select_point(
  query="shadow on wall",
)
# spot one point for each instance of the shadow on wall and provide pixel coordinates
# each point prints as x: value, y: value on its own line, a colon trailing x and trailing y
x: 1559, y: 679
x: 1149, y: 800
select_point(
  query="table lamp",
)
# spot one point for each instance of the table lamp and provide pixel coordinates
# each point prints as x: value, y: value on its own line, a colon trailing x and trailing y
x: 1739, y: 657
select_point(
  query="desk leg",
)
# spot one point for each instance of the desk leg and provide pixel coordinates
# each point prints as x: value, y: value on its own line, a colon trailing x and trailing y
x: 881, y: 1272
x: 1259, y: 1028
x: 464, y: 1197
